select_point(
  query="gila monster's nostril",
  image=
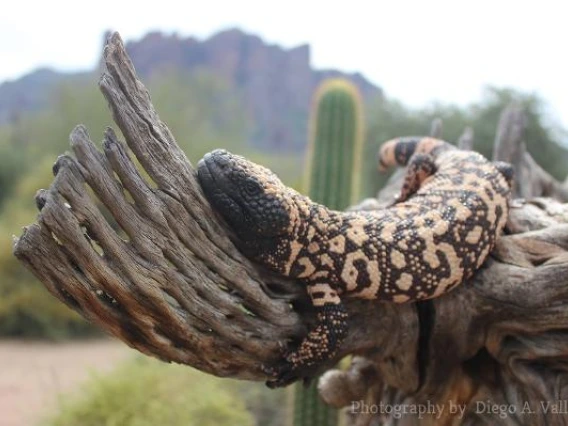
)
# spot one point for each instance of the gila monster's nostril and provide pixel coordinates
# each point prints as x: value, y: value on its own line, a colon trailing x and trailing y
x: 223, y: 160
x: 221, y: 157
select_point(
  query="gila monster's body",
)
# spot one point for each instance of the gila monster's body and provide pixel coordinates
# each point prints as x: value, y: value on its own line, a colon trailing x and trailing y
x: 452, y: 207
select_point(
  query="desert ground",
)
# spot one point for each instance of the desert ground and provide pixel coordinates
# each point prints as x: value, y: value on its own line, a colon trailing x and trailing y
x: 34, y: 374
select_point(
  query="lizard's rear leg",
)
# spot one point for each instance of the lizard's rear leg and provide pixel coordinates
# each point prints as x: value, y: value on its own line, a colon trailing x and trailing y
x: 506, y: 170
x: 420, y: 167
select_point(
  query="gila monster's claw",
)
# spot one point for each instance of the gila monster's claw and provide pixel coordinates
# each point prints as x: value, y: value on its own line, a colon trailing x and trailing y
x: 283, y: 374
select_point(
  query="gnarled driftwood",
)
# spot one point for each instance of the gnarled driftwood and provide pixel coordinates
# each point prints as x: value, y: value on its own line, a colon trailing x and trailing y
x: 166, y: 280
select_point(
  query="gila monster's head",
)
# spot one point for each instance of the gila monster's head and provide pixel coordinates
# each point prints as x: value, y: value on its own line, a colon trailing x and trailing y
x: 260, y: 209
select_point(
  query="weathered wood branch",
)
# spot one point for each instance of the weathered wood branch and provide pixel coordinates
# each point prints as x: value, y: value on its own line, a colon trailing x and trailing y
x: 143, y: 256
x: 497, y: 346
x: 531, y: 180
x: 465, y: 141
x: 165, y: 279
x: 501, y: 338
x: 436, y: 128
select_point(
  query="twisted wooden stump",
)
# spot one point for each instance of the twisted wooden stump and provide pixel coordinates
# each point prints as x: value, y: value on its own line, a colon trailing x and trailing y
x: 143, y: 256
x: 495, y: 350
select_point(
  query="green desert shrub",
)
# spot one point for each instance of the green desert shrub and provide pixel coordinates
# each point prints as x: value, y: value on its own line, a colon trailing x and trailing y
x: 146, y: 392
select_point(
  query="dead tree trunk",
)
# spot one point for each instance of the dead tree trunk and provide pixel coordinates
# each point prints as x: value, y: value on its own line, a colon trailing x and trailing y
x: 166, y: 280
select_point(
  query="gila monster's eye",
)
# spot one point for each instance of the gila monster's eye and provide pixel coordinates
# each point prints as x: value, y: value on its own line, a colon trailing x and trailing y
x: 252, y: 187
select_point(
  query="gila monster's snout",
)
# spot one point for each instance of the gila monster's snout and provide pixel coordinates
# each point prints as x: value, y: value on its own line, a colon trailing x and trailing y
x: 213, y: 172
x: 217, y: 159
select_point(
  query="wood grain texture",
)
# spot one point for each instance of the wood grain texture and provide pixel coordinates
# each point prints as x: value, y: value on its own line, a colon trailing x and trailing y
x: 126, y: 238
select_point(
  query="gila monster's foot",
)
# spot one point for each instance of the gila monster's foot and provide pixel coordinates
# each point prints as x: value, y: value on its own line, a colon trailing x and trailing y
x: 287, y: 371
x: 281, y: 375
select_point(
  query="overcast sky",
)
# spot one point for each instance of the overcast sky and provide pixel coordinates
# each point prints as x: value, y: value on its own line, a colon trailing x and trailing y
x: 417, y: 51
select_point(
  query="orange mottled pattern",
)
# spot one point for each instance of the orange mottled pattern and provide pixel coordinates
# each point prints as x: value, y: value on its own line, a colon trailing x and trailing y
x: 416, y: 249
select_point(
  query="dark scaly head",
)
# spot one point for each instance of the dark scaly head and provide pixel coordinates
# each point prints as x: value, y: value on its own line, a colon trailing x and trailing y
x: 263, y: 212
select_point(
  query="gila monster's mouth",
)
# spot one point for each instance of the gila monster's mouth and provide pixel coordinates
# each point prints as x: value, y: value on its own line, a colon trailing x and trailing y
x: 205, y: 174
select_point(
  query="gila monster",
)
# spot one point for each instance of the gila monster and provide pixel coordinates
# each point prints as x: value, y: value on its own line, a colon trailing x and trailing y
x: 452, y: 206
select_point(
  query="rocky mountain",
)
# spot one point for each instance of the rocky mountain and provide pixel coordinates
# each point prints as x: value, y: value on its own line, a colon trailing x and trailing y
x: 276, y: 84
x: 30, y: 92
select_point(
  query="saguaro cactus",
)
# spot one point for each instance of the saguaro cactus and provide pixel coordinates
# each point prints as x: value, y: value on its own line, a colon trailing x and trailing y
x: 336, y: 141
x: 332, y: 178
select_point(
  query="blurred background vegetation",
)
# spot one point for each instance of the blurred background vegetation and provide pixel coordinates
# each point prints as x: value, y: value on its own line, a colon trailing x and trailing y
x: 147, y: 392
x: 204, y: 110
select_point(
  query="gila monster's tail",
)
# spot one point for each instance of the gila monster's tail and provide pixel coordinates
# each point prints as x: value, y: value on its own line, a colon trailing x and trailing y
x: 399, y: 150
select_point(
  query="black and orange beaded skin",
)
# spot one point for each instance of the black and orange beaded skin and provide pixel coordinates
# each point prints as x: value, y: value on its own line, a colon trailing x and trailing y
x: 452, y: 207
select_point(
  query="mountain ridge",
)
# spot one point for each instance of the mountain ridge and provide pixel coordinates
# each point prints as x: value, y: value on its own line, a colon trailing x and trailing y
x: 276, y: 83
